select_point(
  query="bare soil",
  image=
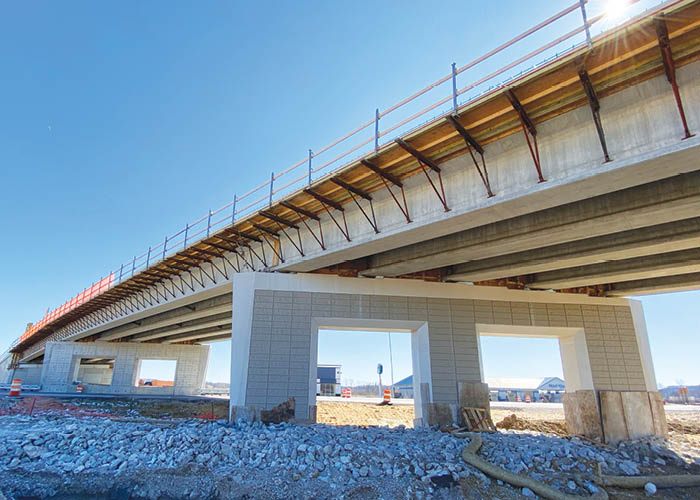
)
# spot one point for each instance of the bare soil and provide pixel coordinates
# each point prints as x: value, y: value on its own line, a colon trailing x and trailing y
x: 364, y: 414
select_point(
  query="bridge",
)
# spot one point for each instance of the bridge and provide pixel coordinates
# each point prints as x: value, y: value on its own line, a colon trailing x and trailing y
x: 531, y: 208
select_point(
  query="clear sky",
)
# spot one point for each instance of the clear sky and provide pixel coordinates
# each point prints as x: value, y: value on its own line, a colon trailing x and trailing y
x: 120, y: 122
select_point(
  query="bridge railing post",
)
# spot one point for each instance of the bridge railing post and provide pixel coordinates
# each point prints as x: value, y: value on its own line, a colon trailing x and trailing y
x: 376, y: 130
x: 586, y: 26
x: 454, y: 88
x: 272, y: 182
x: 310, y: 155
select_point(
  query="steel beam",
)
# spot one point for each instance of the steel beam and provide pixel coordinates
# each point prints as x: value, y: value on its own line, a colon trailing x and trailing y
x: 324, y: 200
x: 353, y: 191
x: 472, y: 144
x: 670, y: 68
x: 301, y: 213
x: 423, y: 160
x: 387, y: 178
x: 528, y: 126
x: 277, y: 219
x: 325, y: 203
x: 594, y: 103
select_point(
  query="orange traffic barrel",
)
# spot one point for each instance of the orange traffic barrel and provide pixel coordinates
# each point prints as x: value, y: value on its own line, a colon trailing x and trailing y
x: 16, y: 387
x: 527, y: 398
x: 79, y: 388
x: 387, y: 395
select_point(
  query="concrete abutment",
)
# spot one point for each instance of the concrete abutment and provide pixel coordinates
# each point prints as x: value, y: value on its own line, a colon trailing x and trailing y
x: 276, y: 319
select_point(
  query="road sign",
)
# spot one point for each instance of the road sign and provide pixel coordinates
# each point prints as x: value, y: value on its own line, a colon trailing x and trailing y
x: 380, y: 368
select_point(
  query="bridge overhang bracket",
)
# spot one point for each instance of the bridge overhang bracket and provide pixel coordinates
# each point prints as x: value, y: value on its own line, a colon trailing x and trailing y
x: 210, y: 261
x: 281, y: 223
x: 529, y: 130
x: 325, y: 203
x: 471, y: 143
x: 242, y: 243
x: 670, y: 68
x: 423, y: 160
x: 266, y: 235
x: 219, y: 255
x: 387, y: 178
x: 247, y: 236
x: 354, y: 194
x: 301, y: 213
x: 594, y: 103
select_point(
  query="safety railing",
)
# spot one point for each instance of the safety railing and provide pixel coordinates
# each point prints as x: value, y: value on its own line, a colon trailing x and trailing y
x: 308, y: 170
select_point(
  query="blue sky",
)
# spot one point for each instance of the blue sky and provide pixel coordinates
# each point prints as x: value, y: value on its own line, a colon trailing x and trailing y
x: 121, y: 122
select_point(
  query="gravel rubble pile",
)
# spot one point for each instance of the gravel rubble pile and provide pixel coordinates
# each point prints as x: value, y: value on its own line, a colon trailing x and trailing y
x: 284, y: 461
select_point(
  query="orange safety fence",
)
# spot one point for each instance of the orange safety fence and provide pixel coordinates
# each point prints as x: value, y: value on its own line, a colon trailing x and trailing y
x: 89, y: 293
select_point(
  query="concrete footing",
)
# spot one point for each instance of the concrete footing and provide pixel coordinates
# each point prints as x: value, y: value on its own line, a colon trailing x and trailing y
x: 614, y: 416
x: 582, y: 414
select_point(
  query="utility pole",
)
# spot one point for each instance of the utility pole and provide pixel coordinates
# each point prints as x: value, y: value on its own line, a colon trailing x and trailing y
x: 391, y: 366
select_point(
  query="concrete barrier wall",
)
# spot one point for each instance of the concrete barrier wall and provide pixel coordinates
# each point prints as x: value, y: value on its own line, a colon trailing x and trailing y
x: 62, y: 359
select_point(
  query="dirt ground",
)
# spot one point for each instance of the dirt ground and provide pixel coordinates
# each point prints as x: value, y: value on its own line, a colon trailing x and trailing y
x: 683, y: 425
x: 364, y: 414
x: 206, y: 409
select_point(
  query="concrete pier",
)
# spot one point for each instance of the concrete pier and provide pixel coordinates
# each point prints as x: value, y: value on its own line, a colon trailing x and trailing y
x: 62, y: 367
x: 276, y: 319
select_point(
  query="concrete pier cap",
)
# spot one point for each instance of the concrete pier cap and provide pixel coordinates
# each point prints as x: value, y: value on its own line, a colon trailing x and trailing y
x: 276, y: 318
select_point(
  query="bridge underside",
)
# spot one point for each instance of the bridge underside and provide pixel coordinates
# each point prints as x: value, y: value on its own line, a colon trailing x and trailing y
x: 640, y: 240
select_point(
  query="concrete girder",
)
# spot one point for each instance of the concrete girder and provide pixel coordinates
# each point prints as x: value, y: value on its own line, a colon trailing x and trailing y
x: 187, y: 315
x: 219, y: 338
x: 197, y: 327
x: 650, y: 266
x: 667, y: 200
x: 661, y: 238
x: 199, y: 335
x: 677, y: 283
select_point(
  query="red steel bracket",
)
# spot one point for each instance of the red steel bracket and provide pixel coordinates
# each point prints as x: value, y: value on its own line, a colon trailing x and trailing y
x: 670, y: 68
x: 423, y: 161
x: 471, y: 143
x: 386, y: 179
x: 325, y: 203
x: 528, y: 126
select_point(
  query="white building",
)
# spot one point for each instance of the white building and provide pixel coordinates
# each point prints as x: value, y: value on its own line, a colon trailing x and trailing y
x: 538, y: 388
